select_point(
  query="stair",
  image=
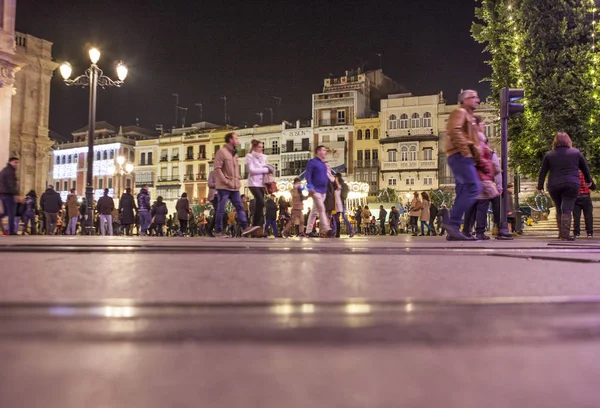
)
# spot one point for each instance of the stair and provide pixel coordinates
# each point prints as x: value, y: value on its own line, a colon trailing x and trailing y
x: 546, y: 227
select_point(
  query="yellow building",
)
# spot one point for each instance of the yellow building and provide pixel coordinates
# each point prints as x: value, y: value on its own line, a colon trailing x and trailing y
x: 365, y: 151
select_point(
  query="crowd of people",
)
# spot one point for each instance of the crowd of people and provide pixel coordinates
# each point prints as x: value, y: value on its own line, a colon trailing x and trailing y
x: 475, y: 165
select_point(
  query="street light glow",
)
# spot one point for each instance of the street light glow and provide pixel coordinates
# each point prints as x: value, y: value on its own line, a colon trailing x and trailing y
x: 129, y: 167
x: 65, y: 70
x: 121, y: 160
x: 122, y: 71
x: 94, y: 55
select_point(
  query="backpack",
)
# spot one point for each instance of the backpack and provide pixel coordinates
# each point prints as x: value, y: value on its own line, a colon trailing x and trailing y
x: 345, y: 190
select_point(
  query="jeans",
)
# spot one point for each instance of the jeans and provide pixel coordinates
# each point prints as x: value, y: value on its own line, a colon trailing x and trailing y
x: 103, y: 220
x: 183, y: 226
x: 145, y: 220
x: 318, y: 208
x: 583, y: 202
x: 271, y: 224
x: 564, y: 196
x: 468, y: 187
x: 211, y: 222
x: 51, y: 219
x: 382, y: 227
x: 72, y: 226
x: 358, y: 223
x: 426, y: 224
x: 414, y: 223
x: 29, y: 217
x: 259, y: 206
x: 236, y: 200
x: 338, y: 223
x: 481, y: 207
x: 496, y: 209
x: 9, y: 209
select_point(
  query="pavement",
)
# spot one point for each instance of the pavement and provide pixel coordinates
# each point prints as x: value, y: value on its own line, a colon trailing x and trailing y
x: 361, y: 322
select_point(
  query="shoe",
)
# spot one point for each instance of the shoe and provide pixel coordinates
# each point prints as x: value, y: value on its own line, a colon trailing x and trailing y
x: 221, y: 235
x: 458, y: 237
x: 421, y: 235
x: 590, y: 235
x: 325, y: 235
x: 285, y: 235
x: 415, y: 235
x: 351, y: 234
x: 482, y: 237
x: 313, y: 234
x: 248, y: 230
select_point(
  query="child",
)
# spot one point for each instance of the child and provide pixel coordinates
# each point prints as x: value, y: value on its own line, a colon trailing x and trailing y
x: 297, y: 208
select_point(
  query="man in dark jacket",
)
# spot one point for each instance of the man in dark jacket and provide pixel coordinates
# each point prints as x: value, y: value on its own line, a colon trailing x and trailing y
x: 126, y: 210
x: 271, y: 216
x: 51, y: 204
x: 105, y: 207
x: 382, y: 216
x: 183, y: 213
x: 143, y: 200
x: 8, y: 193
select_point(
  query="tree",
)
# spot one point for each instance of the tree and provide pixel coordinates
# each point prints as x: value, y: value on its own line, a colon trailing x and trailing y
x: 546, y: 47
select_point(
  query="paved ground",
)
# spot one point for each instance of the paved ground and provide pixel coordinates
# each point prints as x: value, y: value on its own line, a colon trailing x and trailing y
x: 375, y: 322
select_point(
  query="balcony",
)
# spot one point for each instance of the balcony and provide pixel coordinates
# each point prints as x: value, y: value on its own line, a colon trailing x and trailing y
x: 169, y: 179
x: 164, y: 159
x: 411, y: 132
x: 189, y: 157
x: 194, y: 177
x: 366, y: 163
x: 409, y: 165
x: 332, y: 122
x: 291, y: 172
x: 271, y: 151
x: 175, y: 158
x: 299, y: 147
x: 140, y: 184
x: 201, y: 156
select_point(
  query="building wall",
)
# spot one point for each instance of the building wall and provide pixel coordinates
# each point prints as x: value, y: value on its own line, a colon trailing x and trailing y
x: 30, y: 109
x: 366, y: 152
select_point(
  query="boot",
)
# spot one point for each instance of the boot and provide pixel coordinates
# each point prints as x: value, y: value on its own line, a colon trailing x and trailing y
x: 565, y: 228
x: 558, y: 225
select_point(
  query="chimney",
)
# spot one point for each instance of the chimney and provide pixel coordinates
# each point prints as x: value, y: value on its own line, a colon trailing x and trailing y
x: 298, y: 124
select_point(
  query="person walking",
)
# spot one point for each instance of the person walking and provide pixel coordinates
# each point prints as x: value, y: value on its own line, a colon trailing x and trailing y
x: 462, y: 149
x: 256, y: 163
x: 29, y: 213
x: 358, y: 219
x: 227, y: 172
x: 341, y: 195
x: 127, y: 210
x: 50, y: 204
x: 183, y: 214
x: 318, y: 176
x: 9, y: 192
x: 105, y: 207
x: 416, y: 207
x: 158, y: 212
x: 564, y: 163
x: 426, y: 215
x: 584, y: 203
x: 366, y: 220
x: 72, y: 211
x: 297, y: 218
x: 271, y: 216
x: 143, y: 205
x: 381, y: 219
x: 394, y: 220
x: 213, y: 198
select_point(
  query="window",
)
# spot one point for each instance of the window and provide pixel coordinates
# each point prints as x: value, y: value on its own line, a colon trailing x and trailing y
x: 163, y: 172
x: 57, y: 188
x: 392, y: 181
x: 69, y: 160
x: 131, y: 156
x: 341, y: 138
x: 404, y: 121
x: 375, y: 133
x: 112, y: 154
x: 404, y: 153
x: 150, y: 158
x: 105, y: 155
x: 427, y: 120
x: 143, y: 159
x: 100, y: 184
x: 375, y: 154
x: 413, y: 153
x: 64, y: 159
x: 359, y: 134
x: 359, y: 155
x: 428, y: 153
x: 176, y: 172
x: 128, y: 183
x: 428, y: 181
x: 275, y: 146
x: 98, y: 156
x: 415, y: 121
x: 190, y: 152
x: 57, y: 159
x: 75, y: 158
x: 410, y: 181
x: 202, y: 154
x: 368, y: 134
x: 392, y: 155
x: 488, y: 130
x: 392, y: 124
x: 341, y: 116
x: 325, y: 139
x: 65, y: 186
x: 110, y: 183
x: 367, y: 155
x: 74, y: 185
x: 216, y: 148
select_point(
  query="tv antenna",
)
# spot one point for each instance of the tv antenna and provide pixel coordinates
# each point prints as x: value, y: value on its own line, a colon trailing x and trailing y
x: 260, y: 115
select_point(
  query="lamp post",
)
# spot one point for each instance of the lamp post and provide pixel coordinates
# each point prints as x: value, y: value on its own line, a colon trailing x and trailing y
x: 92, y: 78
x: 123, y: 169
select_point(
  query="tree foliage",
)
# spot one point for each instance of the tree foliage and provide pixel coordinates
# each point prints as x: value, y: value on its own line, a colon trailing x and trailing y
x: 545, y: 47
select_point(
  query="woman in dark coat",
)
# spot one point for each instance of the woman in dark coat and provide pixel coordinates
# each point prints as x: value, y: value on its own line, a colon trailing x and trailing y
x: 158, y: 212
x: 183, y: 213
x: 126, y: 210
x: 563, y: 163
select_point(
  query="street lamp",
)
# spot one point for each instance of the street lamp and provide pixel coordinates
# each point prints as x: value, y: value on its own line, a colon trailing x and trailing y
x: 92, y: 78
x: 123, y: 169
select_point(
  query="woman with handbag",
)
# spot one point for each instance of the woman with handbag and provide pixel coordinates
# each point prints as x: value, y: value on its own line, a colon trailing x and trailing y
x: 256, y: 163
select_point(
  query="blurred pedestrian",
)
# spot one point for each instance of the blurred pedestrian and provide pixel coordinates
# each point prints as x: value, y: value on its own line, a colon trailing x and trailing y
x: 9, y: 192
x: 127, y: 210
x: 73, y: 212
x: 105, y: 206
x: 50, y: 204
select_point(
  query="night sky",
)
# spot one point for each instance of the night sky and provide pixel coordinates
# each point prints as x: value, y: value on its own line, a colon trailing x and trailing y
x: 248, y: 51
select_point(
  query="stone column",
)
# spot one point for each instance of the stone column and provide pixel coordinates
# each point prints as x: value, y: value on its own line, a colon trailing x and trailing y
x: 8, y: 68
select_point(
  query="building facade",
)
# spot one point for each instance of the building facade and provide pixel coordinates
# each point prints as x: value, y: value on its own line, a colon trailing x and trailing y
x: 366, y: 148
x: 68, y: 161
x: 29, y: 131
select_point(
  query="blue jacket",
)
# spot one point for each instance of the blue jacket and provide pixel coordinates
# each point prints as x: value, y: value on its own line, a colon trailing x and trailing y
x: 143, y: 200
x: 316, y: 175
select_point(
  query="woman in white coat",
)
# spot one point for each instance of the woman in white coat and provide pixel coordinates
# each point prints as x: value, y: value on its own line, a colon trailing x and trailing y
x: 256, y: 163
